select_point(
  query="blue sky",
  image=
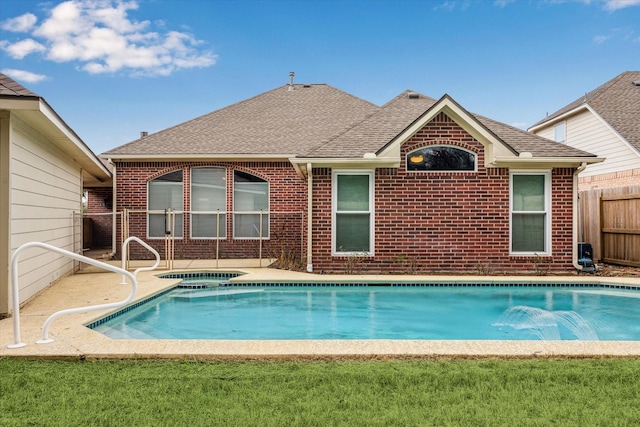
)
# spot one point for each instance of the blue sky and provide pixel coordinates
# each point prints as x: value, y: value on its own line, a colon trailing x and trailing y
x: 112, y: 69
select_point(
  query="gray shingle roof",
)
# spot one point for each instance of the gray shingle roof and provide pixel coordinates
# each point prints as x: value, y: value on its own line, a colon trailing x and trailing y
x: 277, y: 122
x: 316, y: 121
x: 616, y: 101
x: 11, y: 88
x: 373, y: 133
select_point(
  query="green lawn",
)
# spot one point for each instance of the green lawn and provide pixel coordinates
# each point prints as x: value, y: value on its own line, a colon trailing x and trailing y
x: 458, y: 392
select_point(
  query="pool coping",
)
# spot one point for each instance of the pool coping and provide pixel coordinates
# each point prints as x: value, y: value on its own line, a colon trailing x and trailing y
x: 72, y: 339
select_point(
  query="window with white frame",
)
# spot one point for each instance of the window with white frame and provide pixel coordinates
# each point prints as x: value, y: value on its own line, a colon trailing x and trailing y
x: 250, y: 206
x: 352, y: 211
x: 560, y: 132
x: 208, y: 203
x: 530, y: 213
x: 441, y: 158
x: 165, y: 192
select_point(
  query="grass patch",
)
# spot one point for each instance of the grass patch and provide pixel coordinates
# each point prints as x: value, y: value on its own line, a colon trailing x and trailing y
x: 483, y: 392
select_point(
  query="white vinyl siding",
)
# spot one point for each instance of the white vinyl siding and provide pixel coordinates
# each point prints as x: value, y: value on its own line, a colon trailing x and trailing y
x: 587, y: 132
x: 46, y: 189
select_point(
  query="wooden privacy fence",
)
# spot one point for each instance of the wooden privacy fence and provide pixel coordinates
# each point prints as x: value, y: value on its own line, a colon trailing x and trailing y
x: 610, y: 221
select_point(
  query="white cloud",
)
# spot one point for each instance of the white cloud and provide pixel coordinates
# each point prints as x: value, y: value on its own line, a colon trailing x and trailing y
x: 502, y: 3
x: 600, y: 39
x: 23, y: 48
x: 20, y: 24
x: 102, y: 38
x: 623, y: 33
x: 619, y: 4
x: 24, y: 76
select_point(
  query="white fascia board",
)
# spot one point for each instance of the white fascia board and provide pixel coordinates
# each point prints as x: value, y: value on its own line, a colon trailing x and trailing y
x: 301, y: 164
x: 32, y: 104
x: 560, y: 118
x: 200, y: 157
x: 537, y: 162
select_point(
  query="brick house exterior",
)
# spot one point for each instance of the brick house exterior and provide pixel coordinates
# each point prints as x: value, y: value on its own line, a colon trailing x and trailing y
x: 341, y: 195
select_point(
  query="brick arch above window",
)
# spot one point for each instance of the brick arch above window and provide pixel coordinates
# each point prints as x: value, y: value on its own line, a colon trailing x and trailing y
x: 441, y: 158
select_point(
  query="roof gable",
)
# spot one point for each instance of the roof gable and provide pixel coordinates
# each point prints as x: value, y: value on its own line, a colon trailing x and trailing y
x: 617, y: 102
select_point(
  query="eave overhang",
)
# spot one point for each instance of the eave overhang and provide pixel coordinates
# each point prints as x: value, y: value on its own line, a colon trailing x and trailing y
x: 197, y: 157
x: 369, y: 161
x: 561, y: 117
x: 40, y: 116
x: 543, y: 162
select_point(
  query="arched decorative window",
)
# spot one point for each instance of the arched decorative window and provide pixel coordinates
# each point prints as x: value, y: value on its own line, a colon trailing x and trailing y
x: 208, y: 203
x: 441, y: 158
x: 250, y: 204
x: 165, y: 192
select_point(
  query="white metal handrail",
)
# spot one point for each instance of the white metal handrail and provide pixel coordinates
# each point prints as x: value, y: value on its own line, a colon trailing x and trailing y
x: 16, y: 299
x: 125, y: 257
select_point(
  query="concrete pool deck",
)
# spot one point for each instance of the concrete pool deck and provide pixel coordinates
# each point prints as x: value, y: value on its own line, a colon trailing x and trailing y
x: 71, y: 339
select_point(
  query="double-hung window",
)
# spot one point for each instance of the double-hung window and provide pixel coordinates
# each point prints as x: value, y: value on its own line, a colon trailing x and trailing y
x: 352, y: 212
x: 165, y: 192
x: 530, y: 213
x: 250, y: 206
x: 560, y: 132
x: 208, y: 203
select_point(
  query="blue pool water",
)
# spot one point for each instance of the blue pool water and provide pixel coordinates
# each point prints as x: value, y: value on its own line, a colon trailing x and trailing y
x: 382, y: 312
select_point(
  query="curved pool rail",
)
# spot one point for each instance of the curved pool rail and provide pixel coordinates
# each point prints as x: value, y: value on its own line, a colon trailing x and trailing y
x: 16, y: 298
x: 125, y: 245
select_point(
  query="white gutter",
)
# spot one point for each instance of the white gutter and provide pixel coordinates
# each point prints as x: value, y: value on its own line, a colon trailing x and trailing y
x: 309, y: 218
x: 574, y: 239
x: 114, y: 209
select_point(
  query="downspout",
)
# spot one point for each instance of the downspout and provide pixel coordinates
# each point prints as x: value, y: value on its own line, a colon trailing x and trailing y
x: 574, y: 239
x: 309, y: 218
x: 114, y: 209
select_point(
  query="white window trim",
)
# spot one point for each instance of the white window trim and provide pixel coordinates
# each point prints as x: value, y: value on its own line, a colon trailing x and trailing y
x: 192, y: 213
x: 234, y: 212
x: 475, y: 160
x: 334, y: 205
x: 547, y: 209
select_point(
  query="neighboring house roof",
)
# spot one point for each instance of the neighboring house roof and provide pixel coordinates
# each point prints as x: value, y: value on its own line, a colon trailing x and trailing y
x: 35, y: 111
x: 616, y: 101
x: 11, y: 88
x: 319, y: 122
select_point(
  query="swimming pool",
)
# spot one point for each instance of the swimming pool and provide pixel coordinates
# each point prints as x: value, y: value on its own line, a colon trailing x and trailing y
x: 425, y: 312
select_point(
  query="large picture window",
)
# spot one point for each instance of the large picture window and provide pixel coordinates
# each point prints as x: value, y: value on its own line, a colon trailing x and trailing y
x: 208, y: 203
x: 250, y: 203
x: 352, y: 212
x: 530, y: 213
x: 165, y: 192
x: 441, y: 158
